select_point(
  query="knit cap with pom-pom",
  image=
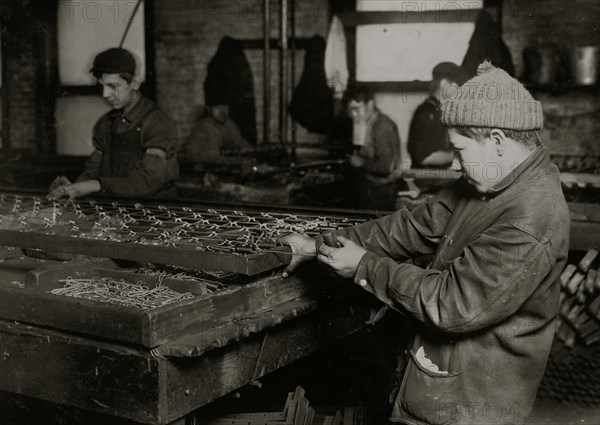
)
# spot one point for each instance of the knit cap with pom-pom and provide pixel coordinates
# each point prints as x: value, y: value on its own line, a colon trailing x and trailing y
x: 493, y: 99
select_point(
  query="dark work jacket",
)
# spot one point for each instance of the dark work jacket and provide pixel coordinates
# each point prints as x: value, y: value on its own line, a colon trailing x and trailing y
x: 312, y: 100
x: 486, y: 43
x: 382, y: 151
x: 119, y: 161
x: 485, y: 307
x: 427, y: 133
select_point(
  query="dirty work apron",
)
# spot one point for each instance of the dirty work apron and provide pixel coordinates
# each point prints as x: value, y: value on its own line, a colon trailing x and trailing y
x: 125, y: 150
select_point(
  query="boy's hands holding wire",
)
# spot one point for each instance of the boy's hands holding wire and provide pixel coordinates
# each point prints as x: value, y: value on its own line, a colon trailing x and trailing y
x: 303, y: 249
x: 343, y: 260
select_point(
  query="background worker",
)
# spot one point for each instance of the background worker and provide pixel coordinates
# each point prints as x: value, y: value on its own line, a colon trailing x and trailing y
x: 134, y: 143
x: 214, y: 133
x: 376, y: 158
x: 484, y: 310
x: 428, y: 141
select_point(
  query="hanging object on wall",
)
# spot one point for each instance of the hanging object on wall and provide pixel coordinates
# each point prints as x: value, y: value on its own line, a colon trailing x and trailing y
x: 312, y: 102
x: 336, y: 61
x: 487, y: 43
x: 584, y: 64
x: 229, y: 82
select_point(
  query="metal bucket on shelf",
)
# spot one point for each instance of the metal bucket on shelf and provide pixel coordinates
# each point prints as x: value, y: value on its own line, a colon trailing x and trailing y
x: 541, y: 64
x: 584, y: 64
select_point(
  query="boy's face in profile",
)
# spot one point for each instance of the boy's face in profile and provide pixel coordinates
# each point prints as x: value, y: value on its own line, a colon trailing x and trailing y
x: 472, y: 158
x: 116, y: 91
x: 360, y: 111
x: 447, y: 89
x: 219, y: 113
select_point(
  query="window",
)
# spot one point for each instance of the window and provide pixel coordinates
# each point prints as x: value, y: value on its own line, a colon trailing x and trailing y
x: 86, y: 28
x: 414, y: 37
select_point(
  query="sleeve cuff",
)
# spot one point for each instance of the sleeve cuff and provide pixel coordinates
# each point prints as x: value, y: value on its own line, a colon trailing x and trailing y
x: 105, y: 186
x: 370, y: 278
x: 362, y: 273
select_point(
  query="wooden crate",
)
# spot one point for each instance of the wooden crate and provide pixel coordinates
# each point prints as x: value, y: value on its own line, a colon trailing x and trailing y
x: 34, y: 304
x: 134, y: 383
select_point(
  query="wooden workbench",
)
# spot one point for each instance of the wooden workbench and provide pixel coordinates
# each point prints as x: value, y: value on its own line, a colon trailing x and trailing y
x: 162, y: 384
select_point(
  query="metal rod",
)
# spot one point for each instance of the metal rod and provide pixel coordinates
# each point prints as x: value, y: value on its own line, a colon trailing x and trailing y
x: 137, y: 6
x: 267, y: 72
x: 293, y: 66
x: 283, y: 72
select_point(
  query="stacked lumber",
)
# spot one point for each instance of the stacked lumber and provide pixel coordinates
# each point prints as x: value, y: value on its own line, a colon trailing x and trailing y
x: 296, y: 411
x: 579, y: 320
x: 350, y: 416
x: 572, y: 375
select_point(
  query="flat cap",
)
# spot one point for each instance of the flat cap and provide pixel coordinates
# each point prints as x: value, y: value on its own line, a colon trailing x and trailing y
x: 451, y: 72
x: 114, y: 61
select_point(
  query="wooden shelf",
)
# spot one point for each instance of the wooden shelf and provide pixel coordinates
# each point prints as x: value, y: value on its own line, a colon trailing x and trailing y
x: 562, y: 88
x: 353, y: 19
x: 399, y: 86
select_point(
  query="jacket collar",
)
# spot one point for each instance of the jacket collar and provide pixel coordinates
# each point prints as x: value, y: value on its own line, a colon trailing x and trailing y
x: 537, y: 159
x: 139, y: 110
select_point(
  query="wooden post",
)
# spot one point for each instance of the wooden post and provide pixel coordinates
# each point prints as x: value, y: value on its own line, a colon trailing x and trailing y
x: 267, y: 73
x: 293, y: 66
x: 283, y: 52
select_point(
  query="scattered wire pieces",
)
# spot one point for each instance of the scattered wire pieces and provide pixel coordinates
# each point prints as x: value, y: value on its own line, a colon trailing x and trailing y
x: 108, y: 290
x: 213, y: 280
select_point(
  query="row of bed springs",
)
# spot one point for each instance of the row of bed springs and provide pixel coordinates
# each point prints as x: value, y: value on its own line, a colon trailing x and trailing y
x: 208, y: 230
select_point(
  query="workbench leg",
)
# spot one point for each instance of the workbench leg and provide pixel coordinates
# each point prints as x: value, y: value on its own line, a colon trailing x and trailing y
x: 189, y: 419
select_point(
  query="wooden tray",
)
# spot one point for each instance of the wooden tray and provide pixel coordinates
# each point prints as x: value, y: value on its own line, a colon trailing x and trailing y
x: 250, y: 264
x: 33, y: 303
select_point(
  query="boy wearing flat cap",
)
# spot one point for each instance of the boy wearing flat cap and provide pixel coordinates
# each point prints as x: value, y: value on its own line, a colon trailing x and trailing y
x: 484, y: 309
x: 134, y: 143
x: 428, y: 142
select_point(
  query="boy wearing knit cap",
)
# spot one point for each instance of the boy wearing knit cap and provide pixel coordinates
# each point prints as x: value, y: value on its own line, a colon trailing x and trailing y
x: 134, y: 143
x: 484, y: 309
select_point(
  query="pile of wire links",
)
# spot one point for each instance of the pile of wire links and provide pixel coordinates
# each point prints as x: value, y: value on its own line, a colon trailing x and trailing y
x: 108, y: 290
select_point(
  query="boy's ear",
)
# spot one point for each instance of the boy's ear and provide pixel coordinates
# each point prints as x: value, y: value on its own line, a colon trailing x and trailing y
x: 499, y: 139
x: 135, y: 83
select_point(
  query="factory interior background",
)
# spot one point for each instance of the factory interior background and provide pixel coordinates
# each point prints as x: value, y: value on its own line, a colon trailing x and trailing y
x: 295, y: 161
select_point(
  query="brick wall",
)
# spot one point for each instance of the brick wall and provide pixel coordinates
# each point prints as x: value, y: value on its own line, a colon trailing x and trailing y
x: 19, y: 53
x: 187, y: 36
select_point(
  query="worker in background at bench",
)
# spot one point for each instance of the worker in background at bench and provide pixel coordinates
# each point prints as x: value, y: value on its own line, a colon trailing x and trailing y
x: 134, y: 143
x: 428, y: 141
x: 484, y: 310
x: 376, y: 156
x: 214, y: 134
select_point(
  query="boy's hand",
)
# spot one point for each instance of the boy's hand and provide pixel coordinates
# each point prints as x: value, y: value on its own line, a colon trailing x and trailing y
x: 58, y: 182
x: 303, y: 248
x: 357, y: 161
x: 344, y: 261
x: 75, y: 190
